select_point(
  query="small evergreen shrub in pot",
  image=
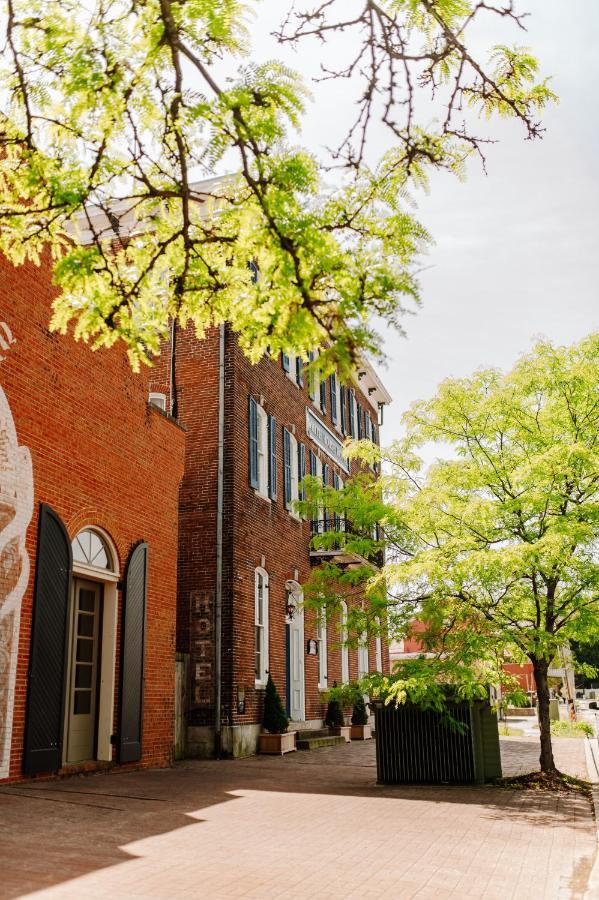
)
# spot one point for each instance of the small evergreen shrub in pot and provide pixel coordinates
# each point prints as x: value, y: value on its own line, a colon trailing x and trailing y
x: 360, y: 729
x: 334, y: 718
x: 276, y: 738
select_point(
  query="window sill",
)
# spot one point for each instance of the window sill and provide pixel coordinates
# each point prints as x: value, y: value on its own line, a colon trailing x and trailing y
x: 294, y: 516
x: 260, y: 685
x: 262, y: 496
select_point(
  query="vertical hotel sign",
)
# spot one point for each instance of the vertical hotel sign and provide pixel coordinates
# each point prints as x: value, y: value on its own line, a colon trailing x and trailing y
x: 16, y: 506
x: 325, y: 439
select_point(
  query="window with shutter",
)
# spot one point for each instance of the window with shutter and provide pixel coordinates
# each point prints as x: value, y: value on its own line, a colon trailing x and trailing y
x: 253, y: 442
x: 312, y: 377
x: 301, y: 466
x: 334, y: 389
x: 285, y: 362
x: 343, y: 409
x: 336, y: 516
x: 352, y: 412
x: 360, y: 428
x: 325, y: 512
x: 316, y: 472
x: 299, y: 371
x: 287, y: 468
x: 323, y: 395
x: 272, y: 458
x: 132, y: 655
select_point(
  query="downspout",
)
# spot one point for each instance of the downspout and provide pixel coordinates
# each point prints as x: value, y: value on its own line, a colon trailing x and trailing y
x: 218, y: 604
x: 174, y: 410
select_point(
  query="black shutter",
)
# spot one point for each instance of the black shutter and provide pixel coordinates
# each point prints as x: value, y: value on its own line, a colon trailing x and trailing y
x: 323, y: 395
x: 314, y: 524
x: 285, y: 362
x: 352, y: 412
x: 301, y: 469
x: 343, y: 410
x: 333, y: 383
x: 312, y: 386
x: 253, y: 441
x: 287, y: 468
x: 48, y: 660
x: 272, y: 458
x: 299, y: 371
x: 132, y: 655
x: 360, y: 429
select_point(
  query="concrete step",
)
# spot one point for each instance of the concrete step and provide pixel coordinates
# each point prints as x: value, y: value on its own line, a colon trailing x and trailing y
x: 318, y: 740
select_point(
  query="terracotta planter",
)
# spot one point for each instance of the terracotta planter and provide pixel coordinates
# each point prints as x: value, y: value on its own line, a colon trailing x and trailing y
x: 277, y: 743
x: 361, y: 732
x: 341, y: 731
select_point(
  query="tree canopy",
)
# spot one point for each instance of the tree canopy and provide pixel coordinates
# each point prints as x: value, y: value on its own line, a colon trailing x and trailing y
x: 495, y: 545
x: 113, y: 114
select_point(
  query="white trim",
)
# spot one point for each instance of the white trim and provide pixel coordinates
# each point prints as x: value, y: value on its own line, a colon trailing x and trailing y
x: 263, y: 451
x: 344, y: 647
x: 325, y: 439
x: 363, y: 655
x: 321, y: 637
x: 378, y: 647
x: 261, y: 679
x: 297, y: 624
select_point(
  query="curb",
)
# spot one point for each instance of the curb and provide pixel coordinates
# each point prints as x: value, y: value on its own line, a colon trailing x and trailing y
x: 591, y: 749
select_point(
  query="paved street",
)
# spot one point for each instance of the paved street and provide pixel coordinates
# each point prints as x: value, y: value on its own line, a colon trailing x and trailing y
x: 307, y: 825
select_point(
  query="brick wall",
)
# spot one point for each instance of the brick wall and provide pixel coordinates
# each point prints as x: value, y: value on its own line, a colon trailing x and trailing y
x: 100, y: 456
x: 253, y: 528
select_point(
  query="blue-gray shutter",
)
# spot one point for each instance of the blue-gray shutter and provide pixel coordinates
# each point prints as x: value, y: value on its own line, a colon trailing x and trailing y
x: 301, y: 469
x: 343, y: 410
x: 272, y: 458
x: 285, y: 362
x: 333, y: 384
x: 253, y: 441
x: 352, y: 412
x: 287, y: 468
x: 48, y: 657
x: 360, y: 428
x: 132, y: 655
x: 312, y: 377
x: 323, y: 395
x: 325, y: 481
x: 314, y: 523
x: 299, y: 371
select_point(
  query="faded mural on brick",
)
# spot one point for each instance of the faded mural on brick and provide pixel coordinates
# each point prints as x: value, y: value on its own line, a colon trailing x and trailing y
x: 16, y: 506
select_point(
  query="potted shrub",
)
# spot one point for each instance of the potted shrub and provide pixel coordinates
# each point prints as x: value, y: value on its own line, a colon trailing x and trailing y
x: 334, y: 718
x: 275, y: 738
x: 360, y: 729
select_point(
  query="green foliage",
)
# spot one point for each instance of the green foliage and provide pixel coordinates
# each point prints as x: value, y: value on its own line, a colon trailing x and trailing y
x: 572, y: 729
x: 509, y: 731
x: 334, y: 717
x: 494, y: 547
x: 111, y: 112
x: 359, y: 715
x: 274, y: 718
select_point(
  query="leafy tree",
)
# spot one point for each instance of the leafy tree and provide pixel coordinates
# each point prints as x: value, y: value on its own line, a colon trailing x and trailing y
x: 275, y: 718
x: 111, y: 111
x: 494, y: 547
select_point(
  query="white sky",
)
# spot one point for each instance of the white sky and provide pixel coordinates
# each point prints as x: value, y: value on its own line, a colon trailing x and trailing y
x: 517, y: 250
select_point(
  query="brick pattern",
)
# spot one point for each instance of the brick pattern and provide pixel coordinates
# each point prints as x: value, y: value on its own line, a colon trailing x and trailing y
x: 100, y: 456
x: 253, y: 527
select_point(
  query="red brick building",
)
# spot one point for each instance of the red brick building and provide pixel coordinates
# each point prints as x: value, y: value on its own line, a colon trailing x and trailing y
x: 243, y: 551
x: 89, y: 478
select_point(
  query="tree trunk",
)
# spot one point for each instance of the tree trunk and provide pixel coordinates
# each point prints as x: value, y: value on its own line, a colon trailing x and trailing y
x: 540, y: 668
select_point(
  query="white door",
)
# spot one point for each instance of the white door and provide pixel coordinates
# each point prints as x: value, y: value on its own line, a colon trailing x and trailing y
x: 296, y: 666
x: 85, y: 631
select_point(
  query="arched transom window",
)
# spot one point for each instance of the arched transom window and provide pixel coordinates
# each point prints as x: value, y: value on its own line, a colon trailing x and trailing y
x: 90, y: 549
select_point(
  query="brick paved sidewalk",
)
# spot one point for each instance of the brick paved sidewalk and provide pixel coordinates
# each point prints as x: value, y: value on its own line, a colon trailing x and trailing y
x: 309, y: 825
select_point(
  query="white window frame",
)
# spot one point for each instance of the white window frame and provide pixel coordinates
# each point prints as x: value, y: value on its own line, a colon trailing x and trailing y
x: 263, y: 451
x: 338, y: 402
x: 363, y: 655
x: 321, y: 638
x: 261, y: 676
x: 344, y: 647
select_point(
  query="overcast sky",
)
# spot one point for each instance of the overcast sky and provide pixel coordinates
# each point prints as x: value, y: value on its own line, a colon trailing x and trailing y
x: 517, y: 250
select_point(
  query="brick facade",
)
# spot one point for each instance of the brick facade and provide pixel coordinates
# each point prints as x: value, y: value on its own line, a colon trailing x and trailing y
x: 100, y: 456
x: 257, y: 531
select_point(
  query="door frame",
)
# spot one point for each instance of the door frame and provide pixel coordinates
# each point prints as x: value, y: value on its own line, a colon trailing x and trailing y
x: 106, y: 648
x: 75, y: 582
x: 296, y: 619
